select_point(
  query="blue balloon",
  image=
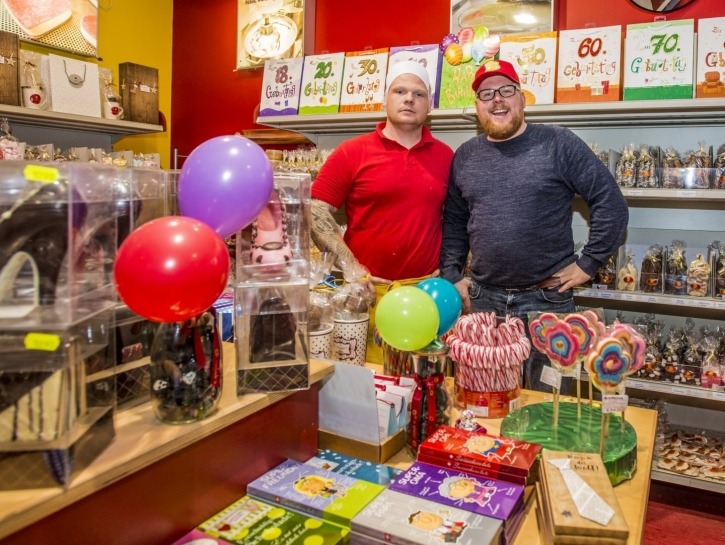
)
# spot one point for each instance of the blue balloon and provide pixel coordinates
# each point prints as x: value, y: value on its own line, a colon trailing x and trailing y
x: 447, y: 300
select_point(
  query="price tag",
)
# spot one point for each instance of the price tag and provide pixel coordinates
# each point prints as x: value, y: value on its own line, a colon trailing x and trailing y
x: 634, y: 192
x: 39, y: 173
x: 551, y: 376
x: 720, y: 305
x: 606, y: 295
x: 704, y: 304
x: 650, y: 299
x: 679, y: 301
x: 46, y: 342
x: 614, y: 403
x: 642, y: 385
x: 718, y: 396
x: 686, y: 193
x: 678, y: 391
x: 629, y: 297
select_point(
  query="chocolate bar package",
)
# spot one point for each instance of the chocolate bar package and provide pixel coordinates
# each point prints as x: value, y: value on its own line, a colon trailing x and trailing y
x: 488, y: 452
x: 314, y: 491
x: 249, y: 520
x: 488, y: 497
x: 398, y: 518
x: 353, y: 466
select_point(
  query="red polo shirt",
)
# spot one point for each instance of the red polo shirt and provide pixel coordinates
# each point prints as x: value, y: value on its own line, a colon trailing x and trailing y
x: 393, y: 199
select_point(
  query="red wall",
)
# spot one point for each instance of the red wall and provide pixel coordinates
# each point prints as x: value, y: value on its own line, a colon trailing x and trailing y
x: 210, y: 99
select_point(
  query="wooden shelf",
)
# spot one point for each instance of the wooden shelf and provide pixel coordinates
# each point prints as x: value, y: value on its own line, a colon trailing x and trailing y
x: 83, y: 123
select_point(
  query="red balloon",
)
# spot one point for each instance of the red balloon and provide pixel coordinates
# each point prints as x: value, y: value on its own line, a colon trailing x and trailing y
x: 171, y: 269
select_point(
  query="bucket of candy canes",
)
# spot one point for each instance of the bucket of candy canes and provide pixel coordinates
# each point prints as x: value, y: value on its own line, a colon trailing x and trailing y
x: 488, y: 353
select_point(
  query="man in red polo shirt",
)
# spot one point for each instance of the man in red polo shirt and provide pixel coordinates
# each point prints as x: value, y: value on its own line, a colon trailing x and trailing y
x: 393, y: 182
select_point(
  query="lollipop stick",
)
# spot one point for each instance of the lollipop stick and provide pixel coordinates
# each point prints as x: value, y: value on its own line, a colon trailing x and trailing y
x: 603, y: 436
x: 556, y: 407
x: 578, y: 392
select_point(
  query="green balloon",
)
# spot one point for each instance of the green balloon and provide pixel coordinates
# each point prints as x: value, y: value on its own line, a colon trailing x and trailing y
x: 407, y: 318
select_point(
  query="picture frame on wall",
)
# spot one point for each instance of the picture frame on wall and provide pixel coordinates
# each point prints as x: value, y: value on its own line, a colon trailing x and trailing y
x: 271, y: 29
x: 503, y: 16
x: 66, y: 25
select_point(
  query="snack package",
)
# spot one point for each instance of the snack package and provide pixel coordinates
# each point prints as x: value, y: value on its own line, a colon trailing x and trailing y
x: 646, y: 174
x: 627, y: 275
x: 672, y: 174
x: 702, y: 163
x: 720, y: 271
x: 606, y: 276
x: 676, y: 269
x: 626, y: 169
x: 650, y: 280
x: 719, y: 182
x: 698, y: 277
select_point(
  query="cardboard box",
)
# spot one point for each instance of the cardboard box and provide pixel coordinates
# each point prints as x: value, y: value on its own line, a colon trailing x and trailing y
x: 139, y: 92
x: 374, y: 452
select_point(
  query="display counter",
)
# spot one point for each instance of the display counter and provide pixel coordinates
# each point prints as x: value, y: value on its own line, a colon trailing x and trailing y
x: 157, y: 481
x: 632, y: 494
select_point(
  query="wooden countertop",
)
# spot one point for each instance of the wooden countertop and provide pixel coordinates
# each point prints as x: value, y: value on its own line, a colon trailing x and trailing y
x: 632, y: 494
x: 140, y: 441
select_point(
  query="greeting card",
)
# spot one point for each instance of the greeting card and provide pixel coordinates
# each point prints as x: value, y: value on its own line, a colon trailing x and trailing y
x: 363, y: 80
x: 589, y: 67
x: 711, y: 58
x: 534, y: 57
x: 321, y: 84
x: 659, y: 60
x: 281, y: 87
x: 428, y: 55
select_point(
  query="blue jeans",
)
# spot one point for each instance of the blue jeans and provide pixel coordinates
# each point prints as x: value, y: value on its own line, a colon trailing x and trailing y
x: 485, y: 298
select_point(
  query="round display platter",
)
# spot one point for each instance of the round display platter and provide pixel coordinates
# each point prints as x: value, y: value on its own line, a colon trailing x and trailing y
x: 534, y: 423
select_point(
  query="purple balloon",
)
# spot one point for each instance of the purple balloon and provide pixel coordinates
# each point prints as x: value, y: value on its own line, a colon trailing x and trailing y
x: 225, y: 182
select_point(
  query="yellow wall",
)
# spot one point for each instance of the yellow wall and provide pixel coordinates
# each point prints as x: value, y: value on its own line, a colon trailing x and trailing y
x: 139, y: 31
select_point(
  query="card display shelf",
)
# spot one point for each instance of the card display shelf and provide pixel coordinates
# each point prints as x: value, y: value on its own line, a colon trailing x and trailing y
x: 590, y: 115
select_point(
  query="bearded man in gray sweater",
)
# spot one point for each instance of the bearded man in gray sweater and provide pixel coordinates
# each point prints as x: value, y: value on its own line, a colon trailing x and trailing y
x: 509, y: 202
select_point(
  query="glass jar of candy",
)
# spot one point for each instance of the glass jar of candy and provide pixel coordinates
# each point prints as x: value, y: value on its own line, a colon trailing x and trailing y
x: 186, y: 370
x: 431, y: 404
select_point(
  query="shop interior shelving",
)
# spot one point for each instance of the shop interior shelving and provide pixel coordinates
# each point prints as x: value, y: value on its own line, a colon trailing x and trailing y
x: 680, y: 123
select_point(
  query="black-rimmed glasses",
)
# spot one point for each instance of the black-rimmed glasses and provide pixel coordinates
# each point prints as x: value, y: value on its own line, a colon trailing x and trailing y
x: 506, y: 91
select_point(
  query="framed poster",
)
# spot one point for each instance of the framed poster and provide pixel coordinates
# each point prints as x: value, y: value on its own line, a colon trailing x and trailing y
x: 68, y: 25
x: 270, y: 29
x: 503, y: 16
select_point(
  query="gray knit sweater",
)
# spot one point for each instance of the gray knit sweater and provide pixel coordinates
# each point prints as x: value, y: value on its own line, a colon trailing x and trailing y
x: 511, y: 203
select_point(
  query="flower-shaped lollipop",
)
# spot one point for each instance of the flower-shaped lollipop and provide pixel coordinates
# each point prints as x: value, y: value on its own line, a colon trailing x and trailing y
x: 634, y: 342
x: 562, y: 345
x: 538, y: 327
x: 608, y: 363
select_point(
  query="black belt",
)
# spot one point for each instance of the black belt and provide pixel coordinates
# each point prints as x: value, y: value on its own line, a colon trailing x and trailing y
x: 551, y: 282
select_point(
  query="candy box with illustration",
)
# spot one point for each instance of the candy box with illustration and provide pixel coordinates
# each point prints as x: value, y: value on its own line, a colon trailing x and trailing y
x: 249, y: 520
x: 483, y: 451
x: 353, y: 466
x: 314, y: 491
x: 489, y: 497
x: 393, y: 517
